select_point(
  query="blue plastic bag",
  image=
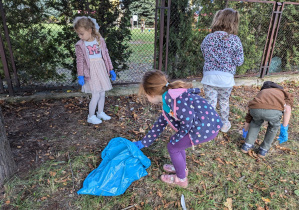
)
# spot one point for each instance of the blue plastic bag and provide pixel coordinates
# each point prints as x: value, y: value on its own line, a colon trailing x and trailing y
x: 123, y: 163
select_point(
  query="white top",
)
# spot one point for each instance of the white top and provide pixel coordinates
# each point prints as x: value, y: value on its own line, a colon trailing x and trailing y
x: 218, y: 80
x: 93, y: 49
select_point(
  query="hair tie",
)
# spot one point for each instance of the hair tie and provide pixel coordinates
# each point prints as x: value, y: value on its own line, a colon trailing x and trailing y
x: 167, y: 84
x: 95, y: 23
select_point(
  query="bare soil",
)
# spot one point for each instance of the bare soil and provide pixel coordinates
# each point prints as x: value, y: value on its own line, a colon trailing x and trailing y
x: 43, y: 130
x: 37, y: 131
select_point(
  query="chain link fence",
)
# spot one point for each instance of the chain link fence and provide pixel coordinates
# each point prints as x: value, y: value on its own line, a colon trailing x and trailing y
x: 142, y: 43
x: 286, y: 52
x: 190, y: 25
x: 43, y: 38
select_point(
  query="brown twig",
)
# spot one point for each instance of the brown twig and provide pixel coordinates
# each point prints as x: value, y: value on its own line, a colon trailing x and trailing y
x: 129, y: 207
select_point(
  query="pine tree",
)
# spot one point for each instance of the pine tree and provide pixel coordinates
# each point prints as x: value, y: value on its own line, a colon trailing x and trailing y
x: 185, y: 57
x: 145, y: 9
x: 40, y: 47
x: 114, y: 21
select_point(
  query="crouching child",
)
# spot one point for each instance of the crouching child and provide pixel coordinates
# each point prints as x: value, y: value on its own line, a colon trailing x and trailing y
x: 271, y: 104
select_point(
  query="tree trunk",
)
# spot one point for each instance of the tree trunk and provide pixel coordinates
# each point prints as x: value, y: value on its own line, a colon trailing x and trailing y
x: 7, y: 163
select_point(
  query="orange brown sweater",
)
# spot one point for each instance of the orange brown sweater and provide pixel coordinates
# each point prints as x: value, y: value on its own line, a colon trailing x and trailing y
x: 271, y: 98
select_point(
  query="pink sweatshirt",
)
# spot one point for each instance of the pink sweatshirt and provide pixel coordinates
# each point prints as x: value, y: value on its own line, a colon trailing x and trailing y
x: 83, y: 64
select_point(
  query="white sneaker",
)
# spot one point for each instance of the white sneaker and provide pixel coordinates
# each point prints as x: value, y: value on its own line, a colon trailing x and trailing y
x: 226, y: 127
x: 93, y: 120
x: 103, y: 116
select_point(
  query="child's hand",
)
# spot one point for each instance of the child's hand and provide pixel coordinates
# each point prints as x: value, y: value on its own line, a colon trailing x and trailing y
x: 81, y: 80
x: 113, y: 75
x: 283, y: 136
x: 244, y: 133
x: 138, y: 144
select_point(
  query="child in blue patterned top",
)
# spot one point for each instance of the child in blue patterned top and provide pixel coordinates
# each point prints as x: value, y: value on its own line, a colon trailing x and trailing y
x: 223, y: 52
x: 193, y: 119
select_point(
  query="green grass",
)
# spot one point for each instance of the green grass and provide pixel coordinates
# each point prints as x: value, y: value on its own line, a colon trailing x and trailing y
x: 210, y: 184
x: 218, y: 172
x: 142, y: 46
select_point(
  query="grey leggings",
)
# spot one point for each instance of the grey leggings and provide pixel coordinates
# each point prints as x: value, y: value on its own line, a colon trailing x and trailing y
x: 97, y: 98
x: 214, y: 94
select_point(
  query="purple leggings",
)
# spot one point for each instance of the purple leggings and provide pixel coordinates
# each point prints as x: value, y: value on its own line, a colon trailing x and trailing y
x: 178, y: 155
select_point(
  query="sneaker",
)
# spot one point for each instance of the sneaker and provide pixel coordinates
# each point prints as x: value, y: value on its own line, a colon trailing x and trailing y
x: 226, y: 127
x: 262, y: 153
x: 170, y: 169
x: 93, y: 120
x: 174, y: 180
x: 246, y: 147
x: 103, y: 116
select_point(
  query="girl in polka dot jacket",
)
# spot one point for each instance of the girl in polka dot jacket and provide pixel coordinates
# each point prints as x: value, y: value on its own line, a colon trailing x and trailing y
x: 192, y: 118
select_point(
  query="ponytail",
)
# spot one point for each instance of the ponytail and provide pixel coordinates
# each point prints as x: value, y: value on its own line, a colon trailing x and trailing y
x: 156, y: 83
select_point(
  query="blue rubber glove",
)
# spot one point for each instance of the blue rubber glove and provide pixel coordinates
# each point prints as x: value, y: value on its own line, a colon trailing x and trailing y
x: 138, y: 144
x: 283, y: 136
x: 244, y: 133
x: 81, y: 80
x: 113, y: 75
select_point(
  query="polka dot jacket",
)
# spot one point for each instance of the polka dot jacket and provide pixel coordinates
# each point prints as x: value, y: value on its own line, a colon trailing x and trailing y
x: 187, y: 113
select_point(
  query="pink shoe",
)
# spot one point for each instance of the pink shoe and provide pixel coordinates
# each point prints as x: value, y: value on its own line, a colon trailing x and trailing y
x: 170, y: 169
x: 174, y: 180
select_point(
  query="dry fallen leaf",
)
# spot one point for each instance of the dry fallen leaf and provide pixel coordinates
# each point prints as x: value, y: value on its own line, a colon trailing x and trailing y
x: 159, y: 193
x: 220, y: 161
x: 167, y: 204
x: 252, y: 154
x: 135, y: 116
x: 272, y: 194
x: 229, y: 203
x: 260, y: 208
x: 266, y: 200
x: 90, y: 166
x: 52, y: 173
x: 43, y: 198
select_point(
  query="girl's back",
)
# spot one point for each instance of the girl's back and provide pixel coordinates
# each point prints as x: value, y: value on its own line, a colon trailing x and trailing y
x: 222, y: 52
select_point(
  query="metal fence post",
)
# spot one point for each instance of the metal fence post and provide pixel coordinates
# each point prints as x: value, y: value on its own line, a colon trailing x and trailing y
x: 155, y: 47
x: 271, y: 38
x: 167, y: 34
x: 5, y: 67
x: 161, y: 36
x: 6, y: 34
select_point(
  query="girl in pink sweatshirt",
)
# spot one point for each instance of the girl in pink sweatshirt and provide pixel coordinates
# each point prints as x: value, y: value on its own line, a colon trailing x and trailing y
x: 93, y: 66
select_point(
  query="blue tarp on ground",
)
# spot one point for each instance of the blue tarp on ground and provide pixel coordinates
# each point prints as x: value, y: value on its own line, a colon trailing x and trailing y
x: 123, y: 163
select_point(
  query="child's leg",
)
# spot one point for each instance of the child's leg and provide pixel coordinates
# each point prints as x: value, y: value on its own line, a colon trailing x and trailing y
x: 93, y: 103
x: 210, y: 95
x: 101, y: 114
x: 273, y: 117
x: 224, y: 94
x: 101, y: 102
x: 255, y: 125
x: 178, y: 155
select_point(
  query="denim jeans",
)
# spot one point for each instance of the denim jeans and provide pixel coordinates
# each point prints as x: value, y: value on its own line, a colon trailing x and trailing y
x: 259, y: 116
